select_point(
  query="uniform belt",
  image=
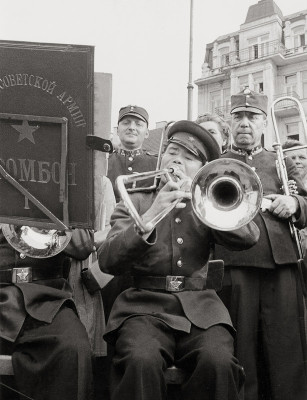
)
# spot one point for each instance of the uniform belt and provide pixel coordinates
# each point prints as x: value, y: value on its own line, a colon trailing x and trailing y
x: 30, y: 274
x: 169, y: 283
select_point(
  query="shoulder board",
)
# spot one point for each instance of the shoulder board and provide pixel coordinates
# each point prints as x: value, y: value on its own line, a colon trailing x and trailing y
x: 151, y: 154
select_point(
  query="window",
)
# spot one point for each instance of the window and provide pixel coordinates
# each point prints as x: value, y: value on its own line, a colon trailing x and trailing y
x: 290, y: 82
x: 292, y: 131
x: 224, y: 55
x: 264, y: 45
x: 258, y: 81
x: 258, y: 46
x: 299, y: 36
x: 215, y: 100
x: 243, y: 81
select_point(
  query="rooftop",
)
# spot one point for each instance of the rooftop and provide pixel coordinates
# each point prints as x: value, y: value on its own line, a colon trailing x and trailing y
x: 263, y: 9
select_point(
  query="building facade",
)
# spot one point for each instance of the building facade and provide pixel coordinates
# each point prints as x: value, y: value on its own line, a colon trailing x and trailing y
x: 268, y: 54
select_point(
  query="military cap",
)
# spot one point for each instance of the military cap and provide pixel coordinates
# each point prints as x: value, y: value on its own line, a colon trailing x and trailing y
x: 247, y: 100
x: 135, y: 111
x: 195, y: 139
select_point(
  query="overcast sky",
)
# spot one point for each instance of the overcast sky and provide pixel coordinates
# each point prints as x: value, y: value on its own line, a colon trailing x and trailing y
x: 144, y: 44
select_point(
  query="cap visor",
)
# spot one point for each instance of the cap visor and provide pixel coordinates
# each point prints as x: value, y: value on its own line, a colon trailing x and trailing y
x: 250, y: 109
x: 186, y: 145
x: 133, y: 115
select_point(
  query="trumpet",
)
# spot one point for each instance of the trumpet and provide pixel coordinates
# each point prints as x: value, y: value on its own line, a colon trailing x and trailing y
x: 226, y: 194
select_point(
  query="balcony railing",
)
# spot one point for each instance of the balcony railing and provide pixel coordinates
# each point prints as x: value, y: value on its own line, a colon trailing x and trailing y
x: 286, y: 103
x: 295, y: 50
x: 255, y: 52
x: 222, y: 63
x: 252, y: 53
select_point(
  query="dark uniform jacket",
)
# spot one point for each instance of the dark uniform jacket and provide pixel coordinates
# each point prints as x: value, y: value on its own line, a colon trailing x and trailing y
x: 40, y: 299
x: 275, y: 246
x: 179, y: 245
x: 124, y: 162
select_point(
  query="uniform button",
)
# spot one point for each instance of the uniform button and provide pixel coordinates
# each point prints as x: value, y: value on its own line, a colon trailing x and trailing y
x: 129, y: 168
x: 250, y: 157
x: 130, y: 158
x: 179, y: 240
x: 179, y: 263
x: 177, y: 220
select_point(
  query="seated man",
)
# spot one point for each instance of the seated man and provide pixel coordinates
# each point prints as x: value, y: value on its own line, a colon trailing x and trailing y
x: 169, y: 316
x: 39, y: 325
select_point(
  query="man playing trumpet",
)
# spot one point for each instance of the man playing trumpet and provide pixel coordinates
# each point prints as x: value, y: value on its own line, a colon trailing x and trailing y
x: 172, y: 313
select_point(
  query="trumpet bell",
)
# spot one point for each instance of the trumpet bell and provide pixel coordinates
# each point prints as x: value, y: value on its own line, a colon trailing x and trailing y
x: 36, y: 242
x: 226, y: 194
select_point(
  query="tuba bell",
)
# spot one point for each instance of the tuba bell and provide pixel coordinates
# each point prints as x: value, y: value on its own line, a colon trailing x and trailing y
x: 36, y: 242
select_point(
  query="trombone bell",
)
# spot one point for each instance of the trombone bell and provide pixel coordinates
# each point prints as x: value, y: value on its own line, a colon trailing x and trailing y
x: 226, y: 194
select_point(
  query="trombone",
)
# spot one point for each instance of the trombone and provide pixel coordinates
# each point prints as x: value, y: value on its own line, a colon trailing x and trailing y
x: 285, y: 181
x: 226, y: 194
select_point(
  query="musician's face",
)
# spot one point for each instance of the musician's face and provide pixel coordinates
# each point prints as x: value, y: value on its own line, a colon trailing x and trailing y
x: 247, y: 128
x: 179, y: 157
x: 132, y: 131
x: 213, y: 128
x: 299, y: 157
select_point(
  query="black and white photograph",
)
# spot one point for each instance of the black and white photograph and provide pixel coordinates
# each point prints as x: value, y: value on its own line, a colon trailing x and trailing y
x: 153, y: 200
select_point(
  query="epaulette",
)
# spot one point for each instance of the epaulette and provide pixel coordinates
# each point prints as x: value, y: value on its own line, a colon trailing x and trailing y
x: 151, y: 154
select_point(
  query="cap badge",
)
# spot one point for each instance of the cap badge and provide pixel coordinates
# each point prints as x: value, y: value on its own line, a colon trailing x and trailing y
x: 191, y: 138
x: 247, y: 91
x: 132, y: 108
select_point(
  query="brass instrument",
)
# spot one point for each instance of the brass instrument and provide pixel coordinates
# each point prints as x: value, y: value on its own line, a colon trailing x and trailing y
x: 158, y: 166
x: 226, y: 194
x: 36, y: 242
x: 285, y: 181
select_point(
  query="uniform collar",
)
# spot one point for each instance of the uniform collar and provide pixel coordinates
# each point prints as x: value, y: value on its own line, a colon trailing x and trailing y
x: 131, y: 153
x: 243, y: 152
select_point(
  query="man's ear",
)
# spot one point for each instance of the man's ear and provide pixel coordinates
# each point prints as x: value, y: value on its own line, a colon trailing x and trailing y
x: 147, y: 134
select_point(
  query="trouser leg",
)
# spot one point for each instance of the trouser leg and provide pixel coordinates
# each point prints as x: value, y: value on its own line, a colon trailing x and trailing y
x: 53, y: 361
x: 264, y: 304
x: 240, y: 294
x: 282, y: 337
x: 143, y: 350
x: 215, y: 374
